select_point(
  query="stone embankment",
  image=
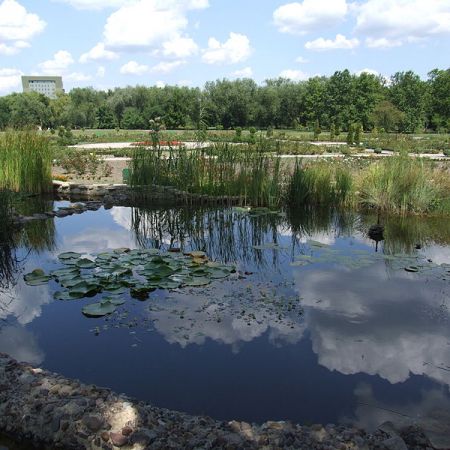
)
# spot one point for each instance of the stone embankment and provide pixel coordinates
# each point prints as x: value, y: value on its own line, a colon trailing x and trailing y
x: 122, y: 194
x: 46, y: 410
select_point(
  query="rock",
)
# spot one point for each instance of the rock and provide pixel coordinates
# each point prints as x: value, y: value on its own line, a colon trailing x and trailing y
x: 395, y: 443
x: 126, y: 431
x: 118, y: 439
x: 105, y: 436
x: 93, y: 423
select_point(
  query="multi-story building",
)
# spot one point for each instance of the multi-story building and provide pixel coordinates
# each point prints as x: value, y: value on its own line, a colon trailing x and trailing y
x: 49, y: 86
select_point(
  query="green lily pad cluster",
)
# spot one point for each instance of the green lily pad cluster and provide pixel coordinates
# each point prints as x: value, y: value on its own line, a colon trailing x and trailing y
x: 116, y: 272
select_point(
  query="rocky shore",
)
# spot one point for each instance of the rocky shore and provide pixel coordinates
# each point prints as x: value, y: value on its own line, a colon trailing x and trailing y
x: 47, y: 410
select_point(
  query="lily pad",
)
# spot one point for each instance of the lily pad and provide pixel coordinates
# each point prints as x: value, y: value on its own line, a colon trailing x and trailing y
x: 100, y: 309
x: 69, y: 255
x: 85, y: 263
x: 36, y: 278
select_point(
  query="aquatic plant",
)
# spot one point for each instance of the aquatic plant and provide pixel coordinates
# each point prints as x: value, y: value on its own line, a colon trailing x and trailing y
x: 320, y: 183
x: 25, y: 162
x: 400, y: 184
x: 252, y: 174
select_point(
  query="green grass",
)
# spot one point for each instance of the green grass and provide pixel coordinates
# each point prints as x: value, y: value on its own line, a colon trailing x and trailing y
x: 25, y: 162
x: 220, y: 170
x: 320, y: 183
x: 402, y: 184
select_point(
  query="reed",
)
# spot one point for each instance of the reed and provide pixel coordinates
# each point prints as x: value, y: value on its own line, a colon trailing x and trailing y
x: 25, y: 162
x: 320, y: 183
x: 252, y: 174
x: 401, y: 184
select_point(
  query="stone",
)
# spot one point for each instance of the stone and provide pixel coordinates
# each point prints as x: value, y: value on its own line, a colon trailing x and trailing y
x: 395, y: 443
x: 126, y: 431
x: 93, y: 423
x: 105, y: 436
x: 118, y: 439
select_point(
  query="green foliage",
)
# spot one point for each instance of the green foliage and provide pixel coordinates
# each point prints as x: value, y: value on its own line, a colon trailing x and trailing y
x: 400, y: 184
x: 220, y: 170
x: 386, y: 116
x: 25, y: 162
x: 350, y: 135
x: 317, y: 130
x: 319, y: 184
x: 358, y: 133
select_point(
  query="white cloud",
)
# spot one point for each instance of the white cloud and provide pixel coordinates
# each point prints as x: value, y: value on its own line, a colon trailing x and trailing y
x: 236, y: 49
x: 383, y: 42
x: 133, y: 68
x: 57, y: 66
x: 246, y: 72
x: 166, y: 67
x: 160, y: 84
x: 301, y: 60
x: 179, y: 47
x: 339, y: 43
x: 98, y: 53
x: 9, y: 79
x: 17, y: 26
x: 309, y: 15
x: 294, y: 75
x: 78, y: 76
x: 144, y: 24
x: 368, y: 71
x: 94, y: 4
x: 100, y: 72
x: 389, y: 23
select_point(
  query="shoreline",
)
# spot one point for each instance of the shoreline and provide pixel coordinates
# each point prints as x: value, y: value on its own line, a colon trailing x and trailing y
x: 47, y: 410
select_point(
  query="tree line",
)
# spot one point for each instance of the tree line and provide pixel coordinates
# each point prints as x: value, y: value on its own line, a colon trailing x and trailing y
x: 403, y: 103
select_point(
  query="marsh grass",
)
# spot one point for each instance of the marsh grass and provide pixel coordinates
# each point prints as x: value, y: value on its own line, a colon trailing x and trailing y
x: 402, y: 184
x: 25, y: 162
x: 320, y: 183
x: 253, y: 175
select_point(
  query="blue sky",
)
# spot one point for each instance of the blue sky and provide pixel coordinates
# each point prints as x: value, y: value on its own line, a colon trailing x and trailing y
x: 109, y: 43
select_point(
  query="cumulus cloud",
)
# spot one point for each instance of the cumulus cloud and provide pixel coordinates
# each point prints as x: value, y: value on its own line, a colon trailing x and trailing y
x: 309, y: 15
x: 389, y: 23
x: 94, y: 4
x: 340, y: 42
x: 17, y: 27
x: 9, y: 79
x: 236, y: 49
x: 166, y: 67
x: 179, y: 47
x: 98, y: 53
x: 101, y: 72
x: 133, y: 68
x: 246, y: 72
x: 128, y: 28
x: 294, y: 75
x: 58, y: 64
x: 78, y: 76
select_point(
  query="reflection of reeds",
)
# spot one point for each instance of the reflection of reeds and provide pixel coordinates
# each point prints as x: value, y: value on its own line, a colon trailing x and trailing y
x: 8, y: 260
x: 25, y: 162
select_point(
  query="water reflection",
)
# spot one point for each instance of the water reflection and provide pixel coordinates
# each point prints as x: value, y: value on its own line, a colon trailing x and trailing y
x: 302, y: 321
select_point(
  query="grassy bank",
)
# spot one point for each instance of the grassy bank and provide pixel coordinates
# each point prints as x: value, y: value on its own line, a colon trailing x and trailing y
x: 398, y: 184
x: 25, y: 162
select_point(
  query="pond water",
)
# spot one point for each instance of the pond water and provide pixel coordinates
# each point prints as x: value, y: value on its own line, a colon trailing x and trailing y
x: 319, y: 323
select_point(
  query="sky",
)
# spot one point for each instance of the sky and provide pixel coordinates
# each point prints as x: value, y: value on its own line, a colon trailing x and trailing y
x: 112, y: 43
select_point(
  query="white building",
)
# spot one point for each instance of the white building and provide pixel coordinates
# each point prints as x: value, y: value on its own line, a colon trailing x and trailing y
x: 49, y: 86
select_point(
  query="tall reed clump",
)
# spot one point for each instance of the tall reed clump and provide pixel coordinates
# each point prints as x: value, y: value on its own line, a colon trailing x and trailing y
x: 320, y: 183
x: 25, y: 162
x: 401, y: 184
x: 220, y: 170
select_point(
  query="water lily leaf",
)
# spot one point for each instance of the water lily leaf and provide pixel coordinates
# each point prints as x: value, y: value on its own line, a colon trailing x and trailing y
x: 101, y: 309
x: 412, y: 269
x: 66, y: 295
x: 115, y: 289
x: 121, y: 250
x: 197, y: 281
x: 197, y: 254
x: 84, y: 289
x: 69, y: 255
x: 36, y: 278
x: 85, y: 263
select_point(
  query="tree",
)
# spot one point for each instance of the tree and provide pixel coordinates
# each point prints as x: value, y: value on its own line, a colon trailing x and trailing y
x: 387, y: 116
x: 350, y: 138
x: 105, y: 117
x: 408, y: 93
x: 439, y: 99
x: 317, y: 130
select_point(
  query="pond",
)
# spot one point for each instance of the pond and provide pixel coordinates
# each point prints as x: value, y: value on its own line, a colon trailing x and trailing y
x: 318, y: 324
